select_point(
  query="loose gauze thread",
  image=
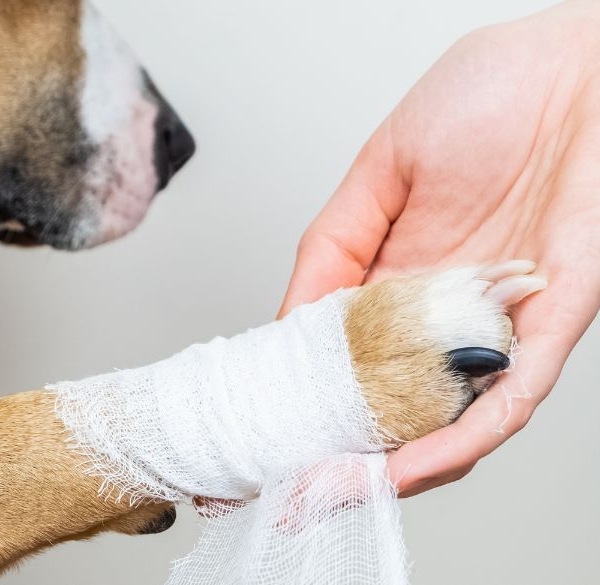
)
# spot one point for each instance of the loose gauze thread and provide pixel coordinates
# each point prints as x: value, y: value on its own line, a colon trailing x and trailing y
x: 274, y: 417
x: 513, y: 354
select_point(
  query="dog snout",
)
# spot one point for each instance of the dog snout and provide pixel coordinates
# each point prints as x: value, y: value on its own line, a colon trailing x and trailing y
x: 174, y: 145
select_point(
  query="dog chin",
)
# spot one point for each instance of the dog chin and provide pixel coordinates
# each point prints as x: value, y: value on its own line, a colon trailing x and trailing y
x: 122, y: 213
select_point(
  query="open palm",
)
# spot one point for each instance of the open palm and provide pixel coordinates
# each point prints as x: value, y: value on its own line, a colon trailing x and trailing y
x: 494, y: 154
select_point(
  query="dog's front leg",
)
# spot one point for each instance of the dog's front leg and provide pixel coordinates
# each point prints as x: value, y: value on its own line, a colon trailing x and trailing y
x: 45, y: 495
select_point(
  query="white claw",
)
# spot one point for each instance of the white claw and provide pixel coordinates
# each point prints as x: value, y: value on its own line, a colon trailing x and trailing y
x: 497, y: 272
x: 514, y: 289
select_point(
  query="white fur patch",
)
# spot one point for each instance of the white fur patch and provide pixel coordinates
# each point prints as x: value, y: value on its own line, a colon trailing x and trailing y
x: 458, y: 314
x: 109, y: 64
x: 118, y: 119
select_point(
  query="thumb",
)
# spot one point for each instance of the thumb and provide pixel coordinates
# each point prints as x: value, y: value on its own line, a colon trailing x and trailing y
x: 341, y: 243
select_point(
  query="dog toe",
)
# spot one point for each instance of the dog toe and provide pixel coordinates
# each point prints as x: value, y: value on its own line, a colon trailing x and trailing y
x: 512, y: 290
x: 501, y: 270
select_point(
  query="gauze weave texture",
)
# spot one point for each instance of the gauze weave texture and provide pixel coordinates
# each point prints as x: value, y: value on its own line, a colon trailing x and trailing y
x: 273, y: 417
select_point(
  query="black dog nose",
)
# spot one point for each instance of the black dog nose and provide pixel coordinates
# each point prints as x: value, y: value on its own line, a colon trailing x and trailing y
x: 173, y: 144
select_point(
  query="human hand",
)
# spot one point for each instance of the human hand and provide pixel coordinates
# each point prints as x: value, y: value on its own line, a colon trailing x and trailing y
x: 492, y: 155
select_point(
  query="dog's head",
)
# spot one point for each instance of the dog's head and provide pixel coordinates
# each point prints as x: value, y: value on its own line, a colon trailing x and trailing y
x: 86, y: 140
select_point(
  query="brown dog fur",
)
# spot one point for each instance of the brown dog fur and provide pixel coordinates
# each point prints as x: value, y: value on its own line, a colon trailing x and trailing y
x: 40, y: 61
x: 45, y: 496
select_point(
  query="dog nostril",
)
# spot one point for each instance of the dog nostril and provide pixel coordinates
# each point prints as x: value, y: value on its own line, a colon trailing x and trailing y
x: 167, y: 137
x: 477, y: 362
x: 180, y: 145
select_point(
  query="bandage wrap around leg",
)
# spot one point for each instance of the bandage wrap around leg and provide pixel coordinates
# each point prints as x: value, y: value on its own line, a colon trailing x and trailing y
x: 274, y: 416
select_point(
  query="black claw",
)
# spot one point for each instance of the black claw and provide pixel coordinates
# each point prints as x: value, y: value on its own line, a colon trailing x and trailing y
x: 162, y: 523
x: 477, y: 361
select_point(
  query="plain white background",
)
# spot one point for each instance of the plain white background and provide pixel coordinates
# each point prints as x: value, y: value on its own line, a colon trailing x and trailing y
x: 281, y: 95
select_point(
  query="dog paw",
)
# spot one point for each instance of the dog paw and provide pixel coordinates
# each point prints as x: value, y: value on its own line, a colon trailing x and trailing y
x: 424, y: 347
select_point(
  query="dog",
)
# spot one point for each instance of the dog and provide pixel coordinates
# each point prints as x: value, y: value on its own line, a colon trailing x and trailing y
x: 86, y: 142
x: 86, y: 139
x: 398, y: 333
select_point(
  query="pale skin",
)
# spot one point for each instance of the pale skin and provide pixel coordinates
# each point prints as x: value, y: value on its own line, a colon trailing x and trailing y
x: 494, y: 154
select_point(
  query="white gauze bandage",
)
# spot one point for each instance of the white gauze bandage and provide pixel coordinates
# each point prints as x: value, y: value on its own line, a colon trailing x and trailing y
x: 273, y: 417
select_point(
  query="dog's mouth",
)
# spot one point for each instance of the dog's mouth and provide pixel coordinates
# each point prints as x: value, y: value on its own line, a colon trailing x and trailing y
x: 60, y: 232
x: 14, y: 232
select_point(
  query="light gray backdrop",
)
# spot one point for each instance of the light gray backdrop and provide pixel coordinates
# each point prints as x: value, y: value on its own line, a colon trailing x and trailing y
x: 281, y: 95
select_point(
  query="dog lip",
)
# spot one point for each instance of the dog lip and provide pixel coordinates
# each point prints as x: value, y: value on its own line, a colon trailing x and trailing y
x: 16, y: 232
x: 477, y: 362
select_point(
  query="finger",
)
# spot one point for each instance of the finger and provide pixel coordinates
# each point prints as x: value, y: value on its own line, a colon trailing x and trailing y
x: 216, y: 507
x: 431, y: 483
x: 343, y: 240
